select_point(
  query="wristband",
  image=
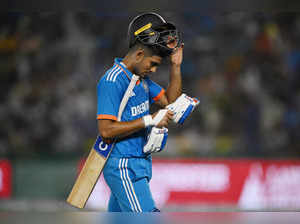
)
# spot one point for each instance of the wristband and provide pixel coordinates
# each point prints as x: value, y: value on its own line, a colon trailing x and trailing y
x: 148, y: 121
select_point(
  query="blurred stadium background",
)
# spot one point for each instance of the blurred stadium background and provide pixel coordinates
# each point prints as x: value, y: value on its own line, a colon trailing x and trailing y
x: 240, y: 150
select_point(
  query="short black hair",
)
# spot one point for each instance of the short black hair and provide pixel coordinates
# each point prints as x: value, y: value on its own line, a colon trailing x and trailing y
x: 149, y: 50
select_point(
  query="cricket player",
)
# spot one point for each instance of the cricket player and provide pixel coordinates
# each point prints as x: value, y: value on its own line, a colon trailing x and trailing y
x: 128, y: 170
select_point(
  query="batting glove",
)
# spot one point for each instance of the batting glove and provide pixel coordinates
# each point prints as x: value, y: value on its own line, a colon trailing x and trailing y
x: 156, y: 140
x: 182, y: 107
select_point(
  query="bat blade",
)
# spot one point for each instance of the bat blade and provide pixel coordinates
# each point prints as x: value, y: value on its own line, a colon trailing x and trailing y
x: 89, y: 174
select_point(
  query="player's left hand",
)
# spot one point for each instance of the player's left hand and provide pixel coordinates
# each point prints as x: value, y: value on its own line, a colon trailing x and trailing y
x: 177, y: 55
x: 156, y: 140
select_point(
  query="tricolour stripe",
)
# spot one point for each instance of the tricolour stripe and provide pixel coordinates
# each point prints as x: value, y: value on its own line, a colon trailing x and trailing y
x: 111, y: 71
x: 135, y: 199
x: 123, y: 182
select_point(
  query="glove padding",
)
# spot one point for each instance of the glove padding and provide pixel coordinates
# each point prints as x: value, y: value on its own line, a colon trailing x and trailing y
x: 182, y: 107
x: 156, y: 140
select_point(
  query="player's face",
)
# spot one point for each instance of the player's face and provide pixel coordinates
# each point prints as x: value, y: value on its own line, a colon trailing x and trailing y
x: 148, y: 65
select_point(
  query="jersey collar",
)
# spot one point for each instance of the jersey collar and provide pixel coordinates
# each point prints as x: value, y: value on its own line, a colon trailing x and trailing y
x: 119, y: 62
x: 128, y: 73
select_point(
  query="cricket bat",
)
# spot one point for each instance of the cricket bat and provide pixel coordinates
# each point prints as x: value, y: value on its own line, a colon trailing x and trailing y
x: 96, y: 160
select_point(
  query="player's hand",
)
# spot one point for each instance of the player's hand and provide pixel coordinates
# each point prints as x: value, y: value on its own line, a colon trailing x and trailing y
x: 107, y: 140
x: 177, y: 55
x: 165, y: 120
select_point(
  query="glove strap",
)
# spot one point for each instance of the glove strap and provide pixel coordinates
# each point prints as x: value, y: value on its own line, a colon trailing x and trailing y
x: 159, y: 116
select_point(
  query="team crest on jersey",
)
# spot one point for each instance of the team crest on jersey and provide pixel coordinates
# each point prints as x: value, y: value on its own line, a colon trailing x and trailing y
x: 145, y: 86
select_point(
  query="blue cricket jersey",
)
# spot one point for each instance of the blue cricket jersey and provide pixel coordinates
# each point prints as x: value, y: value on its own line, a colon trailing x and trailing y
x: 110, y: 91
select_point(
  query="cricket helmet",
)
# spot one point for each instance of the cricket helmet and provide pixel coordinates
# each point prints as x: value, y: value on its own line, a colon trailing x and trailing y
x: 151, y: 30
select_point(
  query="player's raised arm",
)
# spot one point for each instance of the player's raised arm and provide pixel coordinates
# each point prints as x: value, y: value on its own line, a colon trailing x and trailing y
x: 175, y: 87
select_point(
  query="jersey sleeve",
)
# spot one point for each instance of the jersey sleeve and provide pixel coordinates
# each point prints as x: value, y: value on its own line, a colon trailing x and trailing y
x: 109, y: 96
x: 155, y: 90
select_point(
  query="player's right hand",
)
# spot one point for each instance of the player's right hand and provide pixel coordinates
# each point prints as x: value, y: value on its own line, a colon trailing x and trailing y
x: 177, y: 56
x: 165, y: 119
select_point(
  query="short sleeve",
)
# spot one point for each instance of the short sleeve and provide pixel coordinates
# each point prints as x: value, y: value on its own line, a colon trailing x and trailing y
x: 155, y: 90
x: 109, y: 96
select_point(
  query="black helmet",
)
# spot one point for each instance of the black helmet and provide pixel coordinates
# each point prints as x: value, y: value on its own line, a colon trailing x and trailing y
x: 151, y: 30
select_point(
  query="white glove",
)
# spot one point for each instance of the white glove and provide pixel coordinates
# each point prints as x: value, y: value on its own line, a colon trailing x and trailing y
x: 156, y: 140
x: 182, y: 107
x: 149, y: 121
